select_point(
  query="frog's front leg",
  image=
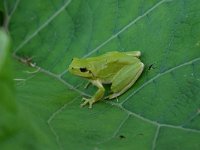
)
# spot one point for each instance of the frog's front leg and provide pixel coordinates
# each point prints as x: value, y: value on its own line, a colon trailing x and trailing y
x: 98, y: 95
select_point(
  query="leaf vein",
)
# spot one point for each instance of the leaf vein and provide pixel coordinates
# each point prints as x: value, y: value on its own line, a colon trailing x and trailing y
x: 160, y: 75
x: 117, y: 130
x: 54, y: 76
x: 125, y: 28
x: 155, y: 138
x: 42, y: 26
x: 52, y: 116
x: 152, y: 121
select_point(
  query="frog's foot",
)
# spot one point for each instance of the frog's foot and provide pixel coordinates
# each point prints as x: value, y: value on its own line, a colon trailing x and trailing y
x: 89, y: 101
x: 113, y: 95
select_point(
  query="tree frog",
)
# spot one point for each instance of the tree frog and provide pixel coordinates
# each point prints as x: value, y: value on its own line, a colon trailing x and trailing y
x: 120, y: 69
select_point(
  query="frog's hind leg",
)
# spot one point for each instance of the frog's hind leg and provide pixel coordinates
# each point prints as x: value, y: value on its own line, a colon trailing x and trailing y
x: 125, y: 78
x: 133, y: 53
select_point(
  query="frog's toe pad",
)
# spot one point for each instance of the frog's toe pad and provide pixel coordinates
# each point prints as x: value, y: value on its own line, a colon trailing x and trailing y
x: 114, y: 95
x: 87, y: 101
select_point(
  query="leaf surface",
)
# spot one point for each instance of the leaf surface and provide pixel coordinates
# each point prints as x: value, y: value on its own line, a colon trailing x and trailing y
x: 161, y: 111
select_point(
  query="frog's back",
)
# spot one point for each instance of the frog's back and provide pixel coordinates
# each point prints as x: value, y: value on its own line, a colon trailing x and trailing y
x: 111, y: 56
x: 116, y: 54
x: 108, y: 64
x: 107, y: 57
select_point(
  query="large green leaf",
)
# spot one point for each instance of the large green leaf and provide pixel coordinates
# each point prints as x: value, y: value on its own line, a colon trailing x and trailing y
x: 7, y: 103
x: 16, y: 131
x: 161, y: 111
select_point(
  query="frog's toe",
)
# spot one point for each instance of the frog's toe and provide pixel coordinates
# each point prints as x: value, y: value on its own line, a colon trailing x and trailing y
x: 114, y: 95
x: 87, y: 101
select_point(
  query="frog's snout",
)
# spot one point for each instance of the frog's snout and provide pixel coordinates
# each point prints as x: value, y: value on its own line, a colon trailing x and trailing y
x: 70, y: 68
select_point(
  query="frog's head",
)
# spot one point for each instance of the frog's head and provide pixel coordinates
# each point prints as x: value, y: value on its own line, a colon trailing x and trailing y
x: 80, y: 68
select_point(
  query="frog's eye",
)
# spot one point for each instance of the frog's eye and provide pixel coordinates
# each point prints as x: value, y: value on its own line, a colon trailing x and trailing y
x: 83, y: 69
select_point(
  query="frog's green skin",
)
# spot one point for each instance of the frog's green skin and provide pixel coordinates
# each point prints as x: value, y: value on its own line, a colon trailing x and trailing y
x: 120, y: 69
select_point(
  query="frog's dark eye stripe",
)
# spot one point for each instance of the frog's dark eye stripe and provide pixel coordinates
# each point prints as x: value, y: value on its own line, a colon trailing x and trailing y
x: 83, y: 69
